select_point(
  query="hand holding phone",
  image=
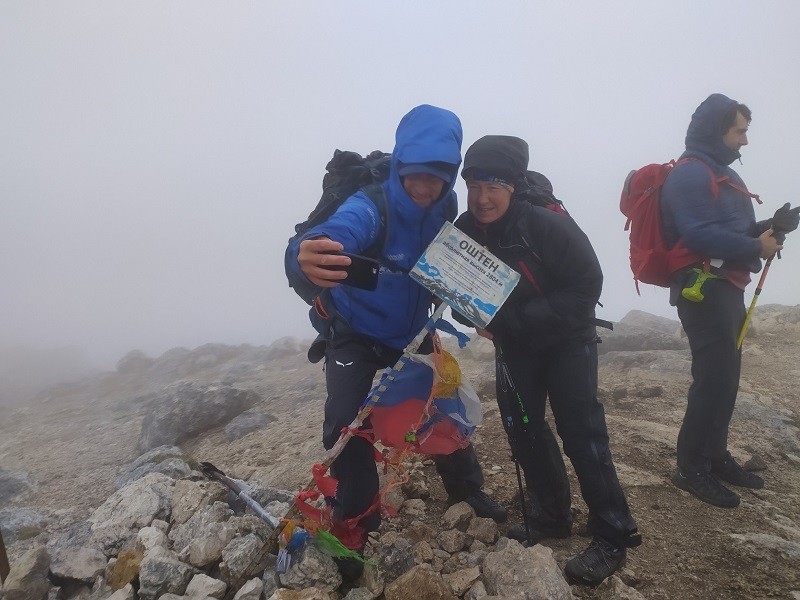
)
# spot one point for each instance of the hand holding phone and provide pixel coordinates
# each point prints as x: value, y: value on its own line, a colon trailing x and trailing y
x: 362, y: 272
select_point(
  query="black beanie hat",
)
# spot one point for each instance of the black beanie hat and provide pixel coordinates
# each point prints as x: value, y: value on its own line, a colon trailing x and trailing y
x: 502, y: 156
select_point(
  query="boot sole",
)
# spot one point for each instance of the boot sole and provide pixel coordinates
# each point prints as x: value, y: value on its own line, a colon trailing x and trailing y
x: 681, y: 484
x: 738, y: 483
x: 577, y: 580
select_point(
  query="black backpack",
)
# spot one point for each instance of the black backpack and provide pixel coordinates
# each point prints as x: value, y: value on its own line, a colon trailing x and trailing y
x: 537, y: 190
x: 346, y: 173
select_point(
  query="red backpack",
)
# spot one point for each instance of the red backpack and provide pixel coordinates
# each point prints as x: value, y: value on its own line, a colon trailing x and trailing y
x: 652, y: 261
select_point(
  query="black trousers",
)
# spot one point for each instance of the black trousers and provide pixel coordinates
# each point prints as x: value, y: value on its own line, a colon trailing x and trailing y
x: 567, y: 373
x: 351, y: 363
x: 712, y: 327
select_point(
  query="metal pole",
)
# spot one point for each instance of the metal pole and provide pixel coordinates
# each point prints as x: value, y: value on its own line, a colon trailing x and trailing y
x: 508, y: 421
x: 5, y: 567
x: 747, y: 317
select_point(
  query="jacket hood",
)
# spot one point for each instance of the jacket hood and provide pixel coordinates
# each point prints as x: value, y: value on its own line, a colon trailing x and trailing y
x: 428, y: 134
x: 502, y: 156
x: 705, y: 130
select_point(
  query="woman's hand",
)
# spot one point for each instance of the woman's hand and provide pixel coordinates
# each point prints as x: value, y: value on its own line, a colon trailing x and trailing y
x: 484, y: 333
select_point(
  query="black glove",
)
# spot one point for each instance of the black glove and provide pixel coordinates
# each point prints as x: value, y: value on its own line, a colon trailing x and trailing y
x: 786, y: 219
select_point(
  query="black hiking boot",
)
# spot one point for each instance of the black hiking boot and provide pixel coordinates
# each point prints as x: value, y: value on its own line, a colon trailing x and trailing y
x: 349, y: 568
x: 599, y: 561
x: 485, y: 507
x: 730, y: 471
x: 707, y: 488
x: 539, y: 531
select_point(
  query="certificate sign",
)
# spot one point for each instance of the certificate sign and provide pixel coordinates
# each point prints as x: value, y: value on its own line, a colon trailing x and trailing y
x: 465, y: 275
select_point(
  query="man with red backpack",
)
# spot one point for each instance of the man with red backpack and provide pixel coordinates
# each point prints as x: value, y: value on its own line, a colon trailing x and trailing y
x: 706, y: 207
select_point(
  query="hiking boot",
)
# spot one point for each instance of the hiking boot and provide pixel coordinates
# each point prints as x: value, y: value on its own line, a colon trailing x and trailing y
x: 539, y: 531
x: 707, y: 488
x: 485, y: 507
x: 730, y: 471
x: 349, y: 568
x: 600, y: 560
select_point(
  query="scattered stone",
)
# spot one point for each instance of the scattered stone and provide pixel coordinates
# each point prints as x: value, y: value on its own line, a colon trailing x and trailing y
x: 419, y: 583
x: 477, y: 591
x: 613, y: 588
x: 417, y: 531
x: 619, y: 393
x: 161, y: 573
x: 187, y: 408
x: 125, y: 593
x: 512, y: 569
x: 414, y: 507
x: 207, y: 523
x: 359, y: 594
x: 755, y: 463
x: 458, y: 516
x: 149, y: 538
x: 247, y: 422
x: 190, y: 496
x: 12, y: 485
x: 134, y: 362
x: 20, y: 523
x: 394, y: 558
x: 650, y: 391
x: 461, y: 581
x: 27, y: 579
x: 416, y: 487
x: 127, y: 510
x: 238, y: 556
x: 760, y: 542
x: 250, y: 590
x: 79, y: 564
x: 451, y: 540
x: 124, y: 569
x: 168, y: 460
x: 483, y: 529
x: 422, y: 552
x: 306, y: 594
x: 311, y: 568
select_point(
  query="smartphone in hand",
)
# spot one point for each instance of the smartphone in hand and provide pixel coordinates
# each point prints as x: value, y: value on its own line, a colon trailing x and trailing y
x: 362, y: 272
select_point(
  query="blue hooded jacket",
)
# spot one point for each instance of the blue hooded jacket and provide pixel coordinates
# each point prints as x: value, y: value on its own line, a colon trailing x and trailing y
x: 719, y: 226
x: 397, y: 310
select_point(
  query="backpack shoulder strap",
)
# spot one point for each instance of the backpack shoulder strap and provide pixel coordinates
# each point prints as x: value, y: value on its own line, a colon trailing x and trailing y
x: 716, y: 181
x: 374, y: 191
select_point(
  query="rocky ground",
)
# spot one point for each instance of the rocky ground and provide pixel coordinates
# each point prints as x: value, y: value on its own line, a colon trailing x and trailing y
x: 64, y: 454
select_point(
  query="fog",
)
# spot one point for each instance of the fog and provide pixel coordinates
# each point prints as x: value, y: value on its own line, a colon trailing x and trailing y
x: 154, y: 156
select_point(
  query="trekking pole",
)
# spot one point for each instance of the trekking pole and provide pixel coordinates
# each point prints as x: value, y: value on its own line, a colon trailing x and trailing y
x: 270, y: 546
x: 508, y: 423
x: 749, y: 314
x: 5, y: 567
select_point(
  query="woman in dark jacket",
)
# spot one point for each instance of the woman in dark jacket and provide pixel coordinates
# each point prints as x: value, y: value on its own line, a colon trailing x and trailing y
x: 546, y: 345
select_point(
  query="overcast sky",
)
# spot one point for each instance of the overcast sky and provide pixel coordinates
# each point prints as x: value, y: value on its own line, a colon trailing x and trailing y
x: 154, y: 156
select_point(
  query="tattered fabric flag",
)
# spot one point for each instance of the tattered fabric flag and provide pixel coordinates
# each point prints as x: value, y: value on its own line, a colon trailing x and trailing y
x: 401, y: 416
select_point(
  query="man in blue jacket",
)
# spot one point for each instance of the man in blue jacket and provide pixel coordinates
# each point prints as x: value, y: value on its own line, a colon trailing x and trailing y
x: 367, y: 330
x: 705, y: 204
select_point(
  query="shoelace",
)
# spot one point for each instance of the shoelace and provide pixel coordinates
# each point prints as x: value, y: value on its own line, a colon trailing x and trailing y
x: 605, y: 552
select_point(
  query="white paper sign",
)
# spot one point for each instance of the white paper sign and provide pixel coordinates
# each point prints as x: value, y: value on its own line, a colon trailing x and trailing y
x: 465, y: 275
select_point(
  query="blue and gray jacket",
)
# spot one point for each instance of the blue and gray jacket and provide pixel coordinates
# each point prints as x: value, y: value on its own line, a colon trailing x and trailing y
x: 717, y: 225
x: 397, y: 310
